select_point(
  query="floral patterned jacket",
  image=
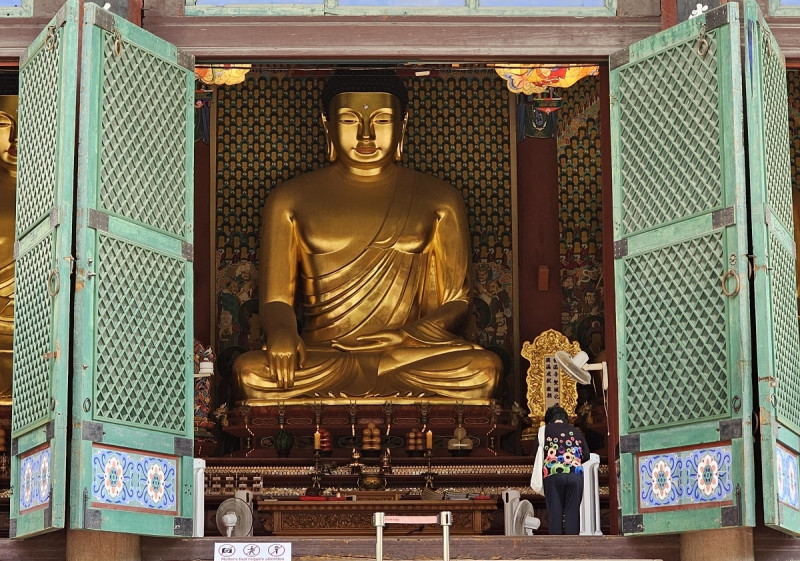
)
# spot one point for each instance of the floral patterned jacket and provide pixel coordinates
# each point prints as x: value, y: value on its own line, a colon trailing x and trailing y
x: 565, y: 449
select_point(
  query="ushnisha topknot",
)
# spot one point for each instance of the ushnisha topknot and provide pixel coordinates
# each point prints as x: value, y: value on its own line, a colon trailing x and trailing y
x: 373, y: 80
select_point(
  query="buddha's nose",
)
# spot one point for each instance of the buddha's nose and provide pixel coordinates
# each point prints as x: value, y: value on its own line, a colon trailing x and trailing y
x: 365, y: 130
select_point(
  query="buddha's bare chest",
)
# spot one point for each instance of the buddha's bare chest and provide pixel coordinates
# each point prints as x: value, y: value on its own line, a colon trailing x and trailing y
x: 326, y: 227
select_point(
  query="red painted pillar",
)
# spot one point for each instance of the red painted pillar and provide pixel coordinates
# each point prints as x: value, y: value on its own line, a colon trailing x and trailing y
x: 537, y: 223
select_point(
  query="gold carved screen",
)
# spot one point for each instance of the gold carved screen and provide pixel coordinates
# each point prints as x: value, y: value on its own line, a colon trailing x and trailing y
x: 268, y: 130
x: 547, y: 384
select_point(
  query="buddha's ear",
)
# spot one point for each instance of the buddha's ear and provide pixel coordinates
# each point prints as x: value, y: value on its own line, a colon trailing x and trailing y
x: 398, y: 155
x: 330, y: 149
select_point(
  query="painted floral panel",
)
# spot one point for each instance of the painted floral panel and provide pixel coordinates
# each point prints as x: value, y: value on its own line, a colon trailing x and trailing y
x: 786, y: 476
x: 34, y: 477
x: 130, y: 480
x: 685, y: 477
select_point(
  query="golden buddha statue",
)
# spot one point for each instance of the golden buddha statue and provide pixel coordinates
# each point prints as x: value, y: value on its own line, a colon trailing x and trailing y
x: 8, y: 190
x: 380, y: 257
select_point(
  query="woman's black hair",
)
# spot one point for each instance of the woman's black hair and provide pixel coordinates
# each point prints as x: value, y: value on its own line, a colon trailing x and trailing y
x: 555, y: 413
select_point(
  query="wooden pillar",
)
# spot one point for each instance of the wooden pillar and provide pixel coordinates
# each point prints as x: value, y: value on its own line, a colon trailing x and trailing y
x: 538, y: 261
x: 88, y: 544
x: 728, y: 544
x: 204, y: 222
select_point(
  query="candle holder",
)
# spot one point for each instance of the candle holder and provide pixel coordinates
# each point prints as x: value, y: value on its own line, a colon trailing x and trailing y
x: 316, y: 489
x: 429, y: 474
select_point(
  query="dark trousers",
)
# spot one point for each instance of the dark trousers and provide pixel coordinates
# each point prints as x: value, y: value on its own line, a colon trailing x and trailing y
x: 562, y: 495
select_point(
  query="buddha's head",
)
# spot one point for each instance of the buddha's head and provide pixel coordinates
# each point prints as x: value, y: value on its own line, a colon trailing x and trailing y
x: 8, y: 134
x: 364, y: 115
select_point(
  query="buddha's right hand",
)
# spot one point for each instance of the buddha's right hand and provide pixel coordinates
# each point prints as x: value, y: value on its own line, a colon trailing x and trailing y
x: 285, y: 352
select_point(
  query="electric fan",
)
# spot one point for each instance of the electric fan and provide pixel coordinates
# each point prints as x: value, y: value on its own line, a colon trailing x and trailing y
x: 518, y: 515
x: 235, y: 518
x: 578, y: 369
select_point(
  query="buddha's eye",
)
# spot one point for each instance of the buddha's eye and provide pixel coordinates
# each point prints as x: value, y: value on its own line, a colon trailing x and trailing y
x: 383, y: 119
x: 348, y: 119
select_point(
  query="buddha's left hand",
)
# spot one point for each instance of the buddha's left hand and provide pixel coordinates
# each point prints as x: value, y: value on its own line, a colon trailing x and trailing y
x: 385, y: 339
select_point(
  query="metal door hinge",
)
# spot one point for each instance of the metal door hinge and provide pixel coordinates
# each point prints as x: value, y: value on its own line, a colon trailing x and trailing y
x: 56, y: 354
x: 633, y: 524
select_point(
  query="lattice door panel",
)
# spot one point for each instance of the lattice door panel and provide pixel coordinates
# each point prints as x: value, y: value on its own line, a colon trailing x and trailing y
x: 774, y: 280
x: 47, y: 101
x: 133, y: 316
x: 671, y: 131
x: 682, y: 301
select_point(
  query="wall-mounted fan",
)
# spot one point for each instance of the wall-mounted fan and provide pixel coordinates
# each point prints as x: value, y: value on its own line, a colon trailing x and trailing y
x: 235, y: 518
x: 577, y: 367
x: 518, y: 515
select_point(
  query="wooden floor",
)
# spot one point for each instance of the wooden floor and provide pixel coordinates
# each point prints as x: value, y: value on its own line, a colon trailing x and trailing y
x: 768, y: 545
x: 52, y: 546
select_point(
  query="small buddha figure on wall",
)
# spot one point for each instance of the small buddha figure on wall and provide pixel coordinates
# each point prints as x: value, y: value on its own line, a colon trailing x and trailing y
x: 379, y: 256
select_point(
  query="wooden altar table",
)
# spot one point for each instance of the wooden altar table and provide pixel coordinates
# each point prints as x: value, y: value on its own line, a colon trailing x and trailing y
x: 329, y: 517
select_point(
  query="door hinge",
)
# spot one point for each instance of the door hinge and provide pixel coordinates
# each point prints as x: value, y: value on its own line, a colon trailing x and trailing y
x: 728, y: 430
x: 629, y: 444
x: 753, y: 267
x: 92, y: 431
x: 723, y: 217
x: 619, y: 58
x: 633, y: 524
x: 183, y: 527
x: 56, y: 354
x: 97, y: 220
x: 183, y: 446
x: 620, y: 248
x: 732, y: 515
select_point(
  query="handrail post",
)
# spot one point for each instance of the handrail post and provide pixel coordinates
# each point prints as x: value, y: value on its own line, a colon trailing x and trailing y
x: 445, y: 521
x: 378, y: 520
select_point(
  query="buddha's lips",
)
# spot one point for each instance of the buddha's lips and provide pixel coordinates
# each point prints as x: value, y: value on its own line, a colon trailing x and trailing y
x: 12, y: 151
x: 366, y: 150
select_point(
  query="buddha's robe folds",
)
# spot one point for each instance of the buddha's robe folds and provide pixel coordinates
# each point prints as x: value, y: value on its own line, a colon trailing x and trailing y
x: 391, y: 255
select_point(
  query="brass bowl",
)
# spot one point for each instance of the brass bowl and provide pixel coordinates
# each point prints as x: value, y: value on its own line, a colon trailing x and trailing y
x: 371, y: 482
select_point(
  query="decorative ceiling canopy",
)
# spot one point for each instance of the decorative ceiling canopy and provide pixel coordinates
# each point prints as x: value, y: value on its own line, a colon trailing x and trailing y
x: 530, y: 79
x: 219, y: 74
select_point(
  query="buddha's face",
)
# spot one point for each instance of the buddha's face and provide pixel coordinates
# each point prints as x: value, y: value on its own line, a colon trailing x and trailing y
x: 8, y: 142
x: 365, y: 129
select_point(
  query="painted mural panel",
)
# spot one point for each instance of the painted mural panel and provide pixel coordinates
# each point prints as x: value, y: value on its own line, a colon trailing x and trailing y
x: 580, y: 213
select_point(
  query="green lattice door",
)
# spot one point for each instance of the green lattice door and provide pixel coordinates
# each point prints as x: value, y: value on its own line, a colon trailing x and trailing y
x: 132, y: 444
x: 43, y: 262
x: 775, y: 309
x: 682, y: 299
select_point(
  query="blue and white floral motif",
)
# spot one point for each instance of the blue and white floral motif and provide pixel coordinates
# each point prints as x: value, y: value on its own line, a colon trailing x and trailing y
x: 659, y: 484
x: 155, y: 483
x: 44, y: 477
x: 129, y: 479
x: 786, y: 476
x: 34, y: 471
x: 709, y: 475
x: 111, y: 483
x: 114, y: 480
